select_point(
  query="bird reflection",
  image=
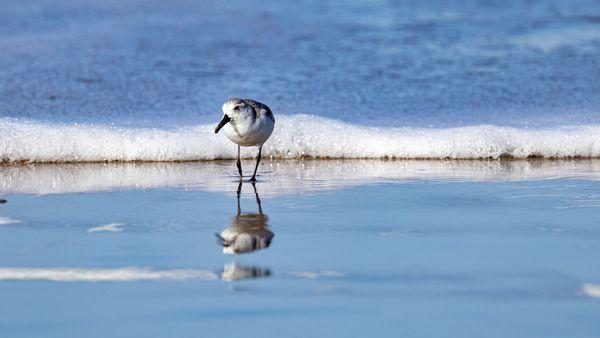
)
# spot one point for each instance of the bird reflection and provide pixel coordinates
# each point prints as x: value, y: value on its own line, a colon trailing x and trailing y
x: 233, y: 272
x: 248, y: 232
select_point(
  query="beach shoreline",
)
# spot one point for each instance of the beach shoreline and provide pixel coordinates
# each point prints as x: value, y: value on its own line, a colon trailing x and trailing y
x: 278, y: 177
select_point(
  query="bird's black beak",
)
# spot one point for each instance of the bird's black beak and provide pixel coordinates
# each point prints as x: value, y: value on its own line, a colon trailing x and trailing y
x: 223, y: 122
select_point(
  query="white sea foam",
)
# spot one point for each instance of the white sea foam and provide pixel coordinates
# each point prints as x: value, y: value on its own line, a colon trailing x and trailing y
x: 317, y: 274
x: 104, y: 275
x: 591, y: 290
x: 556, y: 37
x: 111, y: 227
x: 294, y: 137
x: 8, y: 220
x: 230, y: 272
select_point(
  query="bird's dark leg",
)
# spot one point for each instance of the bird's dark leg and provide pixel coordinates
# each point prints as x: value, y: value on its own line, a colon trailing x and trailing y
x: 257, y: 198
x: 239, y: 192
x: 253, y: 179
x: 239, y: 163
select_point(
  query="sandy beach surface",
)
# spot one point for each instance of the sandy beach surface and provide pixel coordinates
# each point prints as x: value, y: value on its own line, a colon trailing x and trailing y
x: 389, y: 248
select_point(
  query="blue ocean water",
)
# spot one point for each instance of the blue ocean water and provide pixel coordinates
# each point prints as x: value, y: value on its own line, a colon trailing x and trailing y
x: 419, y: 69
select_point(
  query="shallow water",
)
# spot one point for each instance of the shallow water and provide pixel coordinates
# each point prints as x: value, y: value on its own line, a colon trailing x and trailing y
x: 414, y: 248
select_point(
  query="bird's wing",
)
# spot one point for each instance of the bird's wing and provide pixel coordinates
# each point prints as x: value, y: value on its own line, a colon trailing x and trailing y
x: 260, y: 108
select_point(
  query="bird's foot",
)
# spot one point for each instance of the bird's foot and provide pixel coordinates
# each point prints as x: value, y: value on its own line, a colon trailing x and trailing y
x: 253, y: 179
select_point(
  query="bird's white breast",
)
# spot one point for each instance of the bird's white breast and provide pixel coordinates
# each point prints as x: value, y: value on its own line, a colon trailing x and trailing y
x: 248, y: 132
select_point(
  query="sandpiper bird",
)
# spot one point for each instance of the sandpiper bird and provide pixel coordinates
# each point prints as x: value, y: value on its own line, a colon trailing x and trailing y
x: 247, y: 123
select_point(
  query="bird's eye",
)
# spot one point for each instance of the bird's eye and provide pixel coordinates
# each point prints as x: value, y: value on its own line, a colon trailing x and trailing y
x: 236, y: 108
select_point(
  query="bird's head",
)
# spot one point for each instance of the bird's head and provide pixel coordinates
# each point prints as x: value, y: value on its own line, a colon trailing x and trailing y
x: 235, y: 110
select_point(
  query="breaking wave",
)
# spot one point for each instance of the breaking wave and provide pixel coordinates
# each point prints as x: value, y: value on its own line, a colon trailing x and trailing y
x: 297, y: 136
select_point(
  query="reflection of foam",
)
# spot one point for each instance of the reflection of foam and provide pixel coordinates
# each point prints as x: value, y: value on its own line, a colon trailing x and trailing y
x: 103, y: 275
x: 111, y: 227
x: 283, y: 176
x: 230, y: 272
x: 591, y: 290
x: 317, y: 274
x: 8, y: 220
